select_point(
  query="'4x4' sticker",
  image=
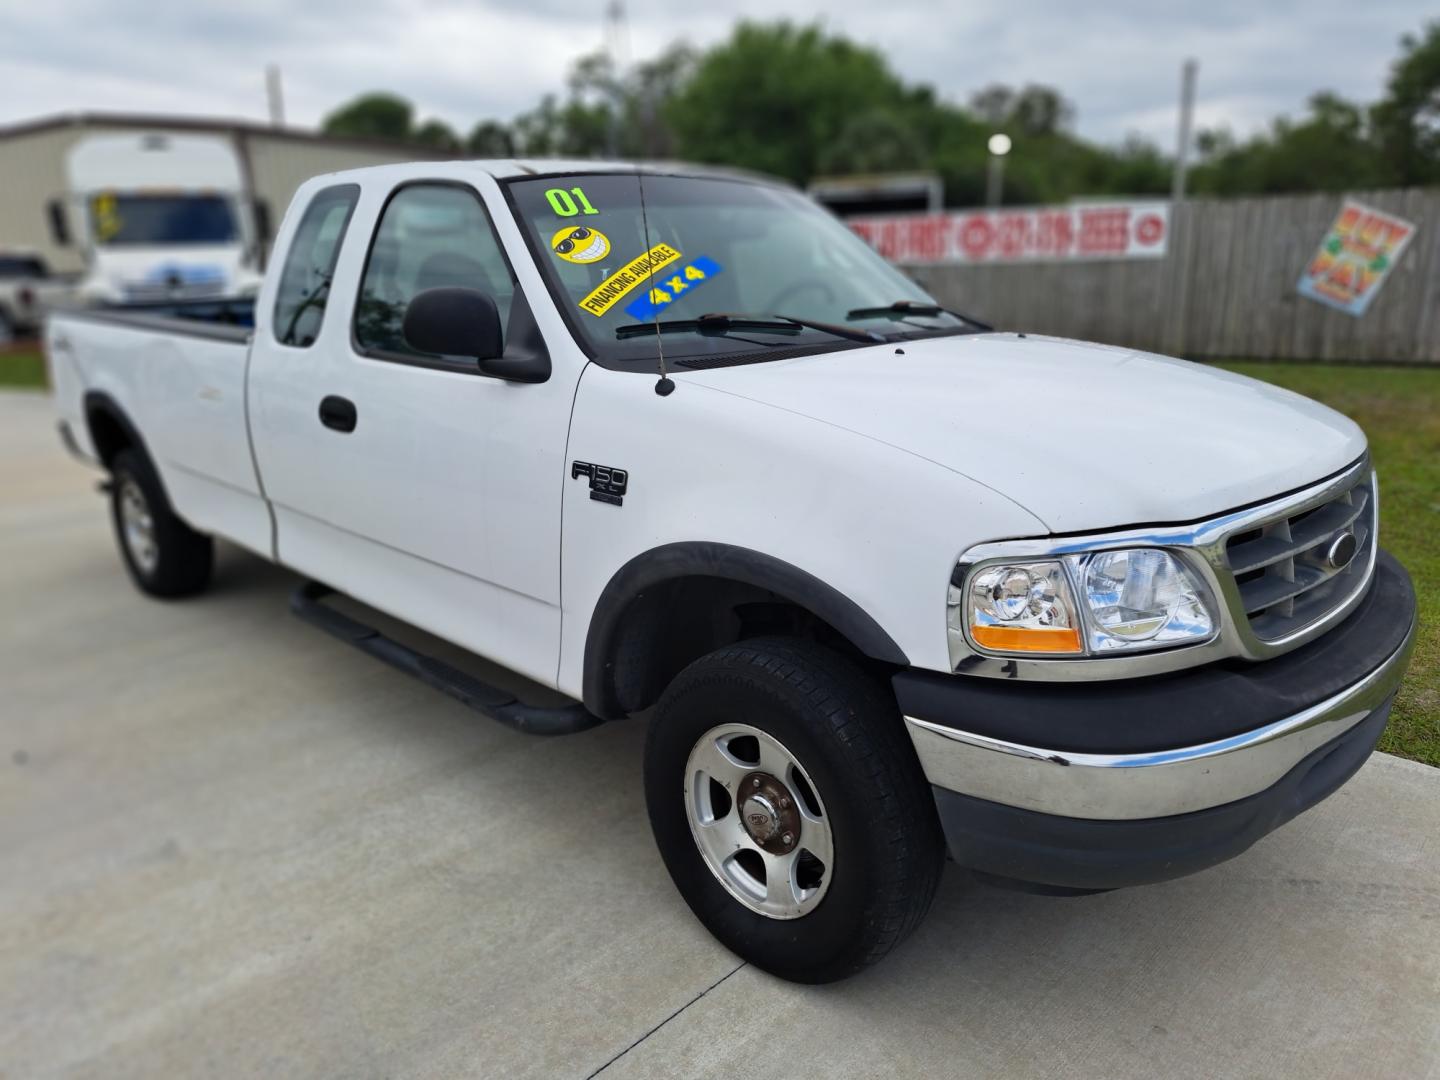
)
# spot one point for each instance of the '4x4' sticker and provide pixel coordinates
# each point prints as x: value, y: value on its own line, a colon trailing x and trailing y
x: 671, y: 287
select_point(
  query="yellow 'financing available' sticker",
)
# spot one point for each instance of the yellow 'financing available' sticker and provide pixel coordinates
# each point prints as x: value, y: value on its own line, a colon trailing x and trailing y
x: 636, y: 272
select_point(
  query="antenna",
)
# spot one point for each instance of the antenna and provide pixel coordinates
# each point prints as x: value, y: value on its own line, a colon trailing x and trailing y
x: 666, y: 386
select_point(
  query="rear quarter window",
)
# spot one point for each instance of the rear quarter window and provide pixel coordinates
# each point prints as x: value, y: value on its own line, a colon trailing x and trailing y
x: 310, y: 264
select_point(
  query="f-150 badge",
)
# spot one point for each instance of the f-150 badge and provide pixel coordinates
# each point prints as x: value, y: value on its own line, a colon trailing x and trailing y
x: 607, y: 485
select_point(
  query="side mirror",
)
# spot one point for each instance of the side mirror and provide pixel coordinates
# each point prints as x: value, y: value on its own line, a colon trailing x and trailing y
x: 452, y: 321
x: 59, y: 224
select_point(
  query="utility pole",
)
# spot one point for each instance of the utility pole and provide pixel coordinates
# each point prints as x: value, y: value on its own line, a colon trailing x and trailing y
x: 1188, y: 76
x: 275, y: 95
x: 617, y: 47
x: 1180, y: 228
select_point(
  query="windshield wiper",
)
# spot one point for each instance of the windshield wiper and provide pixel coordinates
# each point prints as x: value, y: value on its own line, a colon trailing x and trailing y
x: 912, y: 307
x: 720, y: 322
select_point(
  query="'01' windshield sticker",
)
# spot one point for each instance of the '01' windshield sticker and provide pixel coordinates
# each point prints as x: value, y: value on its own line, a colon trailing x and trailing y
x: 671, y: 287
x: 634, y: 273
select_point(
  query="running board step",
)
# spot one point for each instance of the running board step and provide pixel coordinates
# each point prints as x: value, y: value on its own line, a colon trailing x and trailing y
x: 497, y: 704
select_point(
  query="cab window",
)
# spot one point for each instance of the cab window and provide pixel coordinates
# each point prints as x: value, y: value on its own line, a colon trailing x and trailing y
x: 310, y: 264
x: 429, y: 236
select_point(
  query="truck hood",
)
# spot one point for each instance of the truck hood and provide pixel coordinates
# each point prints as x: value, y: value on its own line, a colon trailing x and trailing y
x: 1086, y: 437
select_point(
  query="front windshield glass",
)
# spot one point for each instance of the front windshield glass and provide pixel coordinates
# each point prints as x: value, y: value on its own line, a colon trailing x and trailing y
x: 715, y: 246
x: 161, y: 219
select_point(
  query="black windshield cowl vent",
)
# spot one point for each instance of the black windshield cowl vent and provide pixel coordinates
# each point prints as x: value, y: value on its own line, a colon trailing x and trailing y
x: 703, y: 363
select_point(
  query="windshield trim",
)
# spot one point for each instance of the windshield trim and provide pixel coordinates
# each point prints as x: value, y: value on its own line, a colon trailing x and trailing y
x: 570, y: 318
x: 647, y: 364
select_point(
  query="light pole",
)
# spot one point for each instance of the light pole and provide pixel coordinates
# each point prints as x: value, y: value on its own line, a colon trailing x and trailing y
x: 999, y: 145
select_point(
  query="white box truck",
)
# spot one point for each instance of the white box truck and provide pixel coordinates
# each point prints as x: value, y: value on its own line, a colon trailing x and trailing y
x: 160, y: 218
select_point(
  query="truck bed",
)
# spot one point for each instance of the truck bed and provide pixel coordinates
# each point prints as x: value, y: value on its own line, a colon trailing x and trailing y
x: 221, y: 320
x: 177, y: 372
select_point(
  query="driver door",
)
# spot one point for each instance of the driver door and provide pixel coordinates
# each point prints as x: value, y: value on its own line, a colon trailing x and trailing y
x: 410, y: 481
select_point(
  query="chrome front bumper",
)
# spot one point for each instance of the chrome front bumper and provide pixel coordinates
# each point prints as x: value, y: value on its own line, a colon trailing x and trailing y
x: 1126, y: 787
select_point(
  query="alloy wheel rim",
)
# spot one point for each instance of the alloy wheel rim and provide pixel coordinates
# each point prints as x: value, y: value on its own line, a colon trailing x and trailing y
x: 758, y: 821
x: 138, y: 527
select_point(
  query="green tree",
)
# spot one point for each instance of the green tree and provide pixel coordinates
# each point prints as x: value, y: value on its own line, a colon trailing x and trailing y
x: 876, y: 140
x: 606, y: 111
x: 1327, y: 150
x: 563, y: 128
x: 1033, y: 109
x: 371, y: 116
x: 1042, y: 110
x: 774, y: 97
x: 1407, y: 118
x: 437, y: 134
x: 490, y: 139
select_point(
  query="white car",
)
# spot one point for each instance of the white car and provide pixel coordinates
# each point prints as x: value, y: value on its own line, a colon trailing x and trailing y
x: 884, y: 582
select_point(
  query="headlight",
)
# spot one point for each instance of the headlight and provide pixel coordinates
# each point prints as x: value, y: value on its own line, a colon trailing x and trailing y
x: 1023, y: 607
x: 1130, y: 599
x: 1143, y: 598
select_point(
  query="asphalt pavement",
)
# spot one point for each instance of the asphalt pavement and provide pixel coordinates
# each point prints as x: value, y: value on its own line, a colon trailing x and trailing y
x: 232, y: 846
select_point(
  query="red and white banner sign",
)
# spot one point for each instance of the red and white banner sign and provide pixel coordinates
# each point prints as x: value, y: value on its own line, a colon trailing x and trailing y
x: 1097, y: 231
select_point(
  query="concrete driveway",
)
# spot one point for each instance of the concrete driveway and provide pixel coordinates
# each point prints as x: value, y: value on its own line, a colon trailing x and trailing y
x: 231, y: 846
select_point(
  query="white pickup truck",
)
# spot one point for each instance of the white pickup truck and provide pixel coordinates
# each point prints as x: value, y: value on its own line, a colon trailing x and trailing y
x: 885, y: 582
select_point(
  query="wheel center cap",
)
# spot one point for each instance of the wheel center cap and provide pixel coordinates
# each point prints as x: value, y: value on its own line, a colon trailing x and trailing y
x: 760, y: 817
x: 769, y: 814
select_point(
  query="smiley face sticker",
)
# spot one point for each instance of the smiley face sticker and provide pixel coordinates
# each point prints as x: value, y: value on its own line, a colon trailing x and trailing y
x: 579, y: 244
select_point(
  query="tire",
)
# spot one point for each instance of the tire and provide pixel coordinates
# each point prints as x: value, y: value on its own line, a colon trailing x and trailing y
x: 165, y: 557
x: 860, y: 796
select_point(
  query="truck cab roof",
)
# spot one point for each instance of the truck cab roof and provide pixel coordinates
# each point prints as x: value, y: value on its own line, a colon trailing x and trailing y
x: 520, y: 168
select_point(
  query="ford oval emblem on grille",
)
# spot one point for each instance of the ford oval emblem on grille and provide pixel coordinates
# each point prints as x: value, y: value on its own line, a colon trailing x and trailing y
x: 1341, y: 551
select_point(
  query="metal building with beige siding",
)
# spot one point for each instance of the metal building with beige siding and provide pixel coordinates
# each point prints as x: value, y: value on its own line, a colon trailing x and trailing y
x: 275, y: 160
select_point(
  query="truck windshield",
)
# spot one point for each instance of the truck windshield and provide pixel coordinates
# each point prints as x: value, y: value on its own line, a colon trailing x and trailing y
x: 162, y: 219
x: 707, y: 245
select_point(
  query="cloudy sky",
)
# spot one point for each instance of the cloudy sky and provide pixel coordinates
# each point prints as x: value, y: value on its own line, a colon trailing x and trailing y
x: 1117, y: 60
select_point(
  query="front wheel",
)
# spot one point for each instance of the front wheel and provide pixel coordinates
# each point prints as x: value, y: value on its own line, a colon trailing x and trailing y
x: 790, y: 809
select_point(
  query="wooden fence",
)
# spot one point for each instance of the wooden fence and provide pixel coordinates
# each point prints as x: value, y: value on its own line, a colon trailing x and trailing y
x: 1237, y: 262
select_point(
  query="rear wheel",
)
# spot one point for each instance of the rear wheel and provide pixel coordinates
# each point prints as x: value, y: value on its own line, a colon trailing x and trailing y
x: 165, y: 557
x: 790, y: 810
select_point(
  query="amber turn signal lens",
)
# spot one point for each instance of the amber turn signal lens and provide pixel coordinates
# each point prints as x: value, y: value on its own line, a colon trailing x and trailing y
x: 1040, y: 639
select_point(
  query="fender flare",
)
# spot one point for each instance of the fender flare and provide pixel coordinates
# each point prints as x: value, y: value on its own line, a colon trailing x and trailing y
x: 98, y: 401
x: 728, y: 562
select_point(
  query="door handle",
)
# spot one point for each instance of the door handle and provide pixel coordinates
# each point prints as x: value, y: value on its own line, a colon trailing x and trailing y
x: 338, y: 413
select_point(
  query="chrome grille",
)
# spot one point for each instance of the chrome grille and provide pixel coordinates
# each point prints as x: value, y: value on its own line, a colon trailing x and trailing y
x: 1286, y: 569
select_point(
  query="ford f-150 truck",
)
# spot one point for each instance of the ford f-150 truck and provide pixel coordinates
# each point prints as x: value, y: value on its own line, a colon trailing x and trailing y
x: 885, y: 583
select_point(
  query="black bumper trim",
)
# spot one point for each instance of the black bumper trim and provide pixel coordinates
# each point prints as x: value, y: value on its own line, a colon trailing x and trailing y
x: 1082, y: 854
